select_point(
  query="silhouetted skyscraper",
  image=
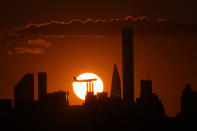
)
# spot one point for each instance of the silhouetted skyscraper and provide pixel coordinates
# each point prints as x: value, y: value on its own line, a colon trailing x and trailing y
x: 42, y: 85
x: 149, y: 102
x: 188, y: 102
x: 146, y: 89
x: 116, y: 84
x: 128, y: 65
x: 24, y: 93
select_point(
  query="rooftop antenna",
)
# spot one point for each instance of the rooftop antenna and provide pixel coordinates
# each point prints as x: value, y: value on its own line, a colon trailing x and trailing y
x: 147, y: 75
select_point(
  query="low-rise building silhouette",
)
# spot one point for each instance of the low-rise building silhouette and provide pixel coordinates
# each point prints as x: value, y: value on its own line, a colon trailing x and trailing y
x: 5, y: 105
x: 56, y: 100
x: 90, y: 99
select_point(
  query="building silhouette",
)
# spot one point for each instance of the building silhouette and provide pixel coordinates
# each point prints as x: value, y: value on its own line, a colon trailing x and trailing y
x: 116, y: 84
x: 188, y: 102
x: 24, y: 93
x: 149, y: 103
x: 42, y: 85
x: 102, y: 96
x: 90, y: 99
x: 128, y: 65
x: 56, y: 101
x: 5, y: 106
x: 146, y: 89
x: 99, y: 112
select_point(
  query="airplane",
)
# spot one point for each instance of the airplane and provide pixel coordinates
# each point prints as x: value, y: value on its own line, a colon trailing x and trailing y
x: 85, y: 80
x: 90, y: 84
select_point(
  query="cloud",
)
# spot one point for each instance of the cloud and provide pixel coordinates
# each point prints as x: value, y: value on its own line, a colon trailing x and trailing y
x: 115, y: 19
x: 33, y: 47
x: 25, y: 50
x: 72, y: 21
x: 9, y: 52
x: 72, y: 36
x: 34, y: 38
x: 131, y: 18
x: 91, y: 27
x: 142, y: 18
x: 162, y: 20
x: 75, y: 21
x: 39, y: 43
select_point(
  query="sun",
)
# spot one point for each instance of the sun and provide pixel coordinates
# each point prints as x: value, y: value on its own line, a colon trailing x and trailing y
x: 80, y: 88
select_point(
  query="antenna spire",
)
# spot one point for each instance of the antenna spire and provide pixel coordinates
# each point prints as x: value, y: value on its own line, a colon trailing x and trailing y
x: 147, y: 75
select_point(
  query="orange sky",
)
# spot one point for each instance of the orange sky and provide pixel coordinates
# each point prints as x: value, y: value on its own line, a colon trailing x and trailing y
x: 70, y: 38
x: 170, y: 65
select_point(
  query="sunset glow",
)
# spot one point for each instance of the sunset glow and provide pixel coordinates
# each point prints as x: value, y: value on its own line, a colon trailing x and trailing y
x: 80, y: 88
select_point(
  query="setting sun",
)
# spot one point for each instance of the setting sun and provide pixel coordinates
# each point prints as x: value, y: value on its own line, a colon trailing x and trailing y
x: 80, y: 85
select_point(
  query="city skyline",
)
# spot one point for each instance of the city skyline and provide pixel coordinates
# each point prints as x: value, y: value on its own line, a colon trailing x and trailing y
x: 60, y: 38
x: 53, y: 111
x: 34, y: 85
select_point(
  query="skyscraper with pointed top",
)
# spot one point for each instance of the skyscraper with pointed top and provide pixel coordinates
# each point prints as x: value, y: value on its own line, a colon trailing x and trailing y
x: 128, y: 65
x: 116, y: 84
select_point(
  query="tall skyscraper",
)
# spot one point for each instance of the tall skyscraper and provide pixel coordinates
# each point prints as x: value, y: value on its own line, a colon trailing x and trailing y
x: 24, y: 93
x: 128, y: 65
x: 42, y: 85
x: 116, y: 84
